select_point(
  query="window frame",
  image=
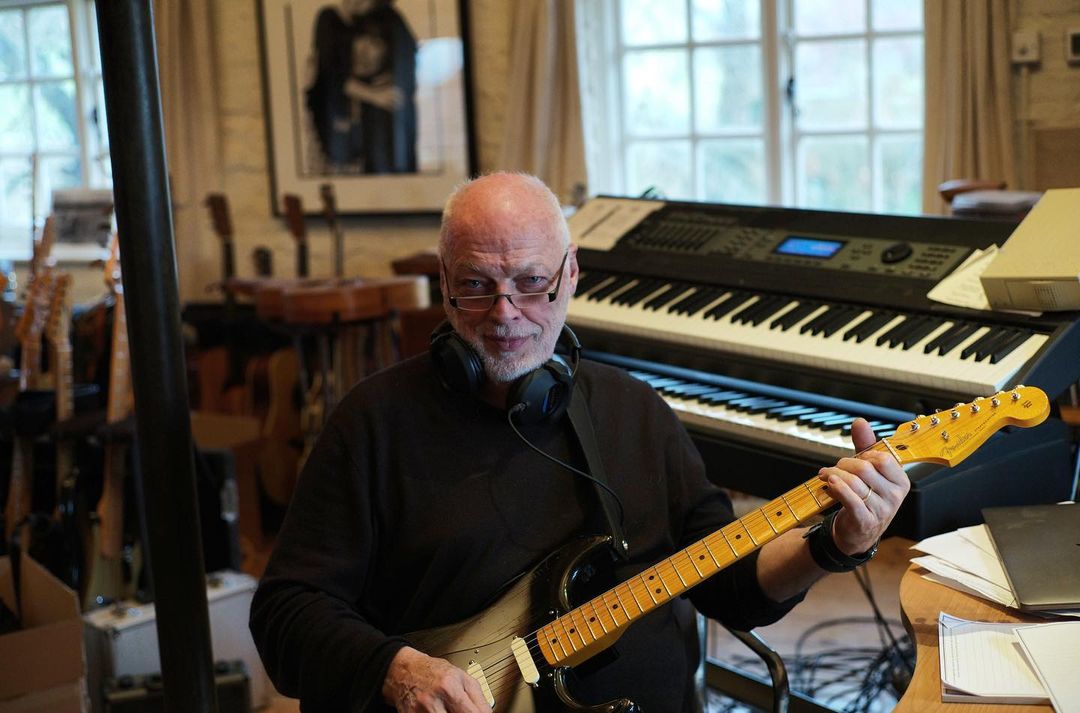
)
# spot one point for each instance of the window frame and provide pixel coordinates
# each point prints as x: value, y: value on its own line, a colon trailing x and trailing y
x: 607, y: 138
x: 91, y: 151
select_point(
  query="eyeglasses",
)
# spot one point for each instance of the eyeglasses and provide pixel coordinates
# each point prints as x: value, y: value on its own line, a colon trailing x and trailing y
x: 521, y: 300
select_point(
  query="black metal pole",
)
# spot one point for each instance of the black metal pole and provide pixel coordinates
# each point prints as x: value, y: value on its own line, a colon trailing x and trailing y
x: 144, y: 221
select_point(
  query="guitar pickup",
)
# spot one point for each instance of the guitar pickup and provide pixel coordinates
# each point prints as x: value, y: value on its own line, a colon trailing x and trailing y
x: 477, y: 671
x: 524, y: 660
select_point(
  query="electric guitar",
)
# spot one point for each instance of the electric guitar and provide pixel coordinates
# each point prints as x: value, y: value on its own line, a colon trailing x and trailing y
x: 515, y: 646
x: 294, y: 216
x: 29, y: 331
x: 105, y: 575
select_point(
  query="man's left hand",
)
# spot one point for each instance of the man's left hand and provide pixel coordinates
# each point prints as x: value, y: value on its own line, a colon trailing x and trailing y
x: 870, y: 486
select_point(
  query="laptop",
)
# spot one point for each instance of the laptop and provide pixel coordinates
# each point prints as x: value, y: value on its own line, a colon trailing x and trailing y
x: 1039, y: 546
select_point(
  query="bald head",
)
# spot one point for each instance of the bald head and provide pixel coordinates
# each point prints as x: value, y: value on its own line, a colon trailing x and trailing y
x: 499, y: 206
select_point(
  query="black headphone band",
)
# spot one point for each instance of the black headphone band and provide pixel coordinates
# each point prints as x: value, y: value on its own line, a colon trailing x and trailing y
x: 540, y: 395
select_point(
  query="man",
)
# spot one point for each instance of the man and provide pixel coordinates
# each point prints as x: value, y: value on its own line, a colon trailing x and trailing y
x: 418, y: 504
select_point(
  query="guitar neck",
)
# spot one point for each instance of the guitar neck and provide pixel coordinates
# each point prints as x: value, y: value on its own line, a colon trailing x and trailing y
x: 566, y: 641
x: 301, y: 258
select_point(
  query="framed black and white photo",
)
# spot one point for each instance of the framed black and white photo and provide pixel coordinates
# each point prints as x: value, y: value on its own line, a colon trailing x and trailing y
x: 370, y: 96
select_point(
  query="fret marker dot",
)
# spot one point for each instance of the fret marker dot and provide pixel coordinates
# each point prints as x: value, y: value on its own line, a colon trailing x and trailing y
x: 657, y: 590
x: 701, y: 557
x: 592, y: 618
x: 652, y: 576
x: 738, y: 537
x: 778, y: 512
x: 554, y: 641
x: 572, y: 631
x: 614, y: 606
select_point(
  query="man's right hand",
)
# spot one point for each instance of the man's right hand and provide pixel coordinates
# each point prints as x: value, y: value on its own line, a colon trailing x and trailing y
x: 416, y: 682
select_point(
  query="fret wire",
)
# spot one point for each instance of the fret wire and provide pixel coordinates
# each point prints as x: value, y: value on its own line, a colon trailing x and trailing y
x: 648, y: 587
x: 793, y: 513
x: 566, y: 632
x: 578, y: 627
x: 622, y: 604
x: 677, y: 574
x: 629, y: 588
x: 769, y: 522
x: 733, y: 550
x: 600, y: 618
x: 748, y: 533
x: 709, y: 550
x: 611, y: 610
x: 809, y: 490
x: 699, y: 574
x: 592, y: 618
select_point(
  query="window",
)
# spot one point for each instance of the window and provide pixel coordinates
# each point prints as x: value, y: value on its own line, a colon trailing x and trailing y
x: 811, y: 103
x: 52, y: 120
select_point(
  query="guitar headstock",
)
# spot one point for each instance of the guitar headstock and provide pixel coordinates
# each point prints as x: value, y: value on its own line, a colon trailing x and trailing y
x: 42, y: 256
x: 294, y: 217
x: 112, y: 266
x: 219, y: 215
x: 329, y: 202
x: 59, y: 323
x: 951, y: 435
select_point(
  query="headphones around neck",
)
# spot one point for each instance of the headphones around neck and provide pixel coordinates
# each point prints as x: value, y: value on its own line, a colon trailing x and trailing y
x: 540, y: 396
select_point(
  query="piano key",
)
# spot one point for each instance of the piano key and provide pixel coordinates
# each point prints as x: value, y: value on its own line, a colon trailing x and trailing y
x: 635, y: 294
x: 615, y: 285
x: 977, y: 346
x: 841, y: 321
x: 793, y: 316
x: 1005, y: 349
x: 794, y: 414
x: 736, y: 299
x: 851, y: 348
x: 590, y: 280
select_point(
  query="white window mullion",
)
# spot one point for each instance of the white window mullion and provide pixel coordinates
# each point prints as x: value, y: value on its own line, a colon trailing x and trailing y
x: 773, y: 90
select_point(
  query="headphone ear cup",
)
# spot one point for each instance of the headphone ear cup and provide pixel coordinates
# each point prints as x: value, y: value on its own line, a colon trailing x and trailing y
x: 456, y: 364
x: 543, y: 394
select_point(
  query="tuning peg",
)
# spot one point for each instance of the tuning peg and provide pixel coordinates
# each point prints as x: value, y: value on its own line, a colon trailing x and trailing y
x: 934, y: 420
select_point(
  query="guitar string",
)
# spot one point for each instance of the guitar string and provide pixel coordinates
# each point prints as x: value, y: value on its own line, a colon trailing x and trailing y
x: 504, y: 666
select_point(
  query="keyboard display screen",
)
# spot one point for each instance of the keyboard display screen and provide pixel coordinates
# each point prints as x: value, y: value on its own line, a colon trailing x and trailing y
x: 809, y: 247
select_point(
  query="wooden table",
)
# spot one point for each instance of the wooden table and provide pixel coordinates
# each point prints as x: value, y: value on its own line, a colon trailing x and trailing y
x: 920, y: 603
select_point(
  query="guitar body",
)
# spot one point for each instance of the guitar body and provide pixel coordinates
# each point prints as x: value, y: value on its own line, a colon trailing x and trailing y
x: 531, y: 601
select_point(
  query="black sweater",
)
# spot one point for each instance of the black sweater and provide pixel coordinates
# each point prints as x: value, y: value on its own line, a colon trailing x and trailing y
x: 416, y: 506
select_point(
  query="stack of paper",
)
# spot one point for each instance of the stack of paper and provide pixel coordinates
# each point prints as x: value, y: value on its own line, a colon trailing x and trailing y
x: 1010, y: 663
x: 966, y: 560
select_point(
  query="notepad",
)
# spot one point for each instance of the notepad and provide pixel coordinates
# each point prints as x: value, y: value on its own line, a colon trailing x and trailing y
x: 984, y: 663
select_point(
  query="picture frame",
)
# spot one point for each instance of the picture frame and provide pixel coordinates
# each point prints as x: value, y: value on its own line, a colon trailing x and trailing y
x: 370, y: 96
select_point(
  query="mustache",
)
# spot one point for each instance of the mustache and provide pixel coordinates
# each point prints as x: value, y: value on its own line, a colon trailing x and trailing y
x: 505, y: 331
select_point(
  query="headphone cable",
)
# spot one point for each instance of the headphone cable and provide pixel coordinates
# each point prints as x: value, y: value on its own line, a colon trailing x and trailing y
x: 553, y: 459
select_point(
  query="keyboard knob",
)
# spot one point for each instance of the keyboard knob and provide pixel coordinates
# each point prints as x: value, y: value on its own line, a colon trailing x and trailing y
x: 895, y: 253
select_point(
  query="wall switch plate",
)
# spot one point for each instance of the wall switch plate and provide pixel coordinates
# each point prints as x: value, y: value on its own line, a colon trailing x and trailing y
x: 1072, y: 45
x: 1025, y: 47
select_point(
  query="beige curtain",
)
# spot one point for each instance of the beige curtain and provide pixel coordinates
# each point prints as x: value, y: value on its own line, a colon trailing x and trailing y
x: 189, y: 99
x: 543, y: 116
x: 969, y: 114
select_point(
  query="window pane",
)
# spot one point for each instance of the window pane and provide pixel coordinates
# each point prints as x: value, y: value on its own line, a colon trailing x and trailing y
x: 830, y: 84
x: 15, y: 197
x: 727, y: 82
x: 833, y: 172
x: 16, y: 133
x: 726, y: 20
x: 899, y: 174
x: 898, y: 83
x: 897, y: 14
x: 827, y: 17
x: 657, y: 94
x: 56, y: 116
x: 58, y: 172
x: 98, y: 120
x: 647, y: 22
x: 50, y: 42
x: 733, y: 171
x: 12, y: 46
x: 664, y: 165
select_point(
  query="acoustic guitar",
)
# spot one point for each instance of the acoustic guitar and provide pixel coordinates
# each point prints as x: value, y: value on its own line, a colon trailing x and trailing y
x: 515, y: 647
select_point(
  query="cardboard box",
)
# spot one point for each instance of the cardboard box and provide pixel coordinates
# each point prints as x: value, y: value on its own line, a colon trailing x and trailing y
x: 42, y: 665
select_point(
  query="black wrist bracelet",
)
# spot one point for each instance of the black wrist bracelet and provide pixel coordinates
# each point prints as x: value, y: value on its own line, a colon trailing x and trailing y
x: 825, y: 552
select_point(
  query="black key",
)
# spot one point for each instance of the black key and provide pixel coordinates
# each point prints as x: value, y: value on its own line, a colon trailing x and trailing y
x: 666, y: 296
x: 615, y: 285
x: 659, y: 382
x: 638, y: 292
x: 792, y: 415
x: 778, y: 411
x: 916, y: 334
x: 721, y: 397
x: 749, y: 314
x: 765, y: 405
x: 937, y: 341
x: 688, y: 302
x: 590, y: 280
x: 689, y: 389
x: 988, y: 348
x: 838, y: 420
x: 769, y: 310
x: 814, y: 325
x: 842, y: 320
x: 892, y: 336
x: 809, y: 418
x: 978, y: 345
x: 794, y: 316
x: 868, y: 326
x: 1005, y: 349
x: 955, y: 338
x: 823, y: 418
x: 704, y: 299
x: 733, y: 302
